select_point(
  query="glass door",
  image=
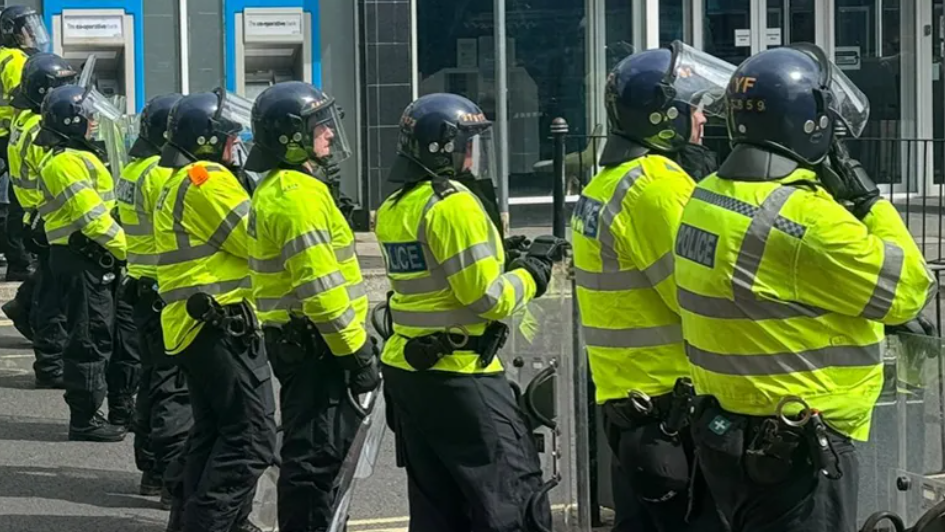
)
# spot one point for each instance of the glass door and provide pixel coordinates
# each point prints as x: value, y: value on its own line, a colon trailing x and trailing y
x: 727, y: 33
x: 789, y: 21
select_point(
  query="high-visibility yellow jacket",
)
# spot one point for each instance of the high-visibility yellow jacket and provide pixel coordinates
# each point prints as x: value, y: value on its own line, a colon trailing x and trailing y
x: 137, y: 192
x: 26, y: 159
x: 784, y: 292
x: 200, y: 232
x: 624, y: 228
x: 12, y: 61
x: 78, y: 197
x: 445, y: 262
x: 302, y: 259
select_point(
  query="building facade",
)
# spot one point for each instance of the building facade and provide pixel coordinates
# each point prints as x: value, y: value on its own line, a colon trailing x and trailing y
x: 548, y: 57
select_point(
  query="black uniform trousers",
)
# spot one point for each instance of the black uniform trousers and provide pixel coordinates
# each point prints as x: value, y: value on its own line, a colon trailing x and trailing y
x: 470, y: 459
x: 48, y: 319
x: 234, y: 435
x: 18, y: 260
x: 659, y: 473
x: 163, y: 413
x: 124, y: 369
x: 319, y: 425
x: 89, y: 313
x: 803, y: 501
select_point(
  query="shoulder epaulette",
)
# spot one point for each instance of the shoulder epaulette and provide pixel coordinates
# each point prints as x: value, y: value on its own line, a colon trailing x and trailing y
x: 443, y: 187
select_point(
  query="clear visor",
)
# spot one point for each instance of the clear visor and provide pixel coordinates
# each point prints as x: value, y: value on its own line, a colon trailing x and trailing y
x: 97, y: 107
x: 849, y: 103
x: 130, y: 125
x: 236, y: 110
x: 329, y: 140
x: 479, y: 158
x: 33, y: 33
x: 700, y: 79
x: 88, y: 69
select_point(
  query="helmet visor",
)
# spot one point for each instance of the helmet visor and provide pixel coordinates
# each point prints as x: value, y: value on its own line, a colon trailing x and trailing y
x: 33, y: 34
x: 329, y: 141
x: 476, y: 156
x: 848, y: 104
x: 96, y: 106
x: 235, y: 114
x: 699, y: 79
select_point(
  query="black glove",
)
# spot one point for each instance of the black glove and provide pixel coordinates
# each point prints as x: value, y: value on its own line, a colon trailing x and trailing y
x: 847, y: 180
x: 539, y: 268
x: 362, y: 370
x: 919, y: 326
x: 515, y: 247
x: 549, y: 247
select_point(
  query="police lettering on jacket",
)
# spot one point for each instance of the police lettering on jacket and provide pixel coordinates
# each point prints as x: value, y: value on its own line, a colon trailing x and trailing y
x: 696, y: 245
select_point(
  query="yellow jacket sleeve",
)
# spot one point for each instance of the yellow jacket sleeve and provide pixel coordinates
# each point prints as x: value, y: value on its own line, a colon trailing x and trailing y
x: 651, y: 242
x: 871, y: 269
x: 12, y: 73
x: 216, y: 210
x: 466, y: 244
x: 68, y: 181
x: 305, y: 231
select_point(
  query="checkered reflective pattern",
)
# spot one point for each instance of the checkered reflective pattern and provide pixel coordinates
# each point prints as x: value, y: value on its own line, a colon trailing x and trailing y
x: 746, y: 209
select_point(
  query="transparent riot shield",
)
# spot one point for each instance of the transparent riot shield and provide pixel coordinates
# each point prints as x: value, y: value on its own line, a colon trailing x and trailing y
x: 902, y: 466
x: 548, y: 369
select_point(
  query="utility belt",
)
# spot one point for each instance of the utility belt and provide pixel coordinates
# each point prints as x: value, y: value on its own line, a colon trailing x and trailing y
x: 96, y: 254
x: 238, y: 321
x: 776, y: 446
x: 672, y: 411
x: 295, y: 341
x: 423, y: 352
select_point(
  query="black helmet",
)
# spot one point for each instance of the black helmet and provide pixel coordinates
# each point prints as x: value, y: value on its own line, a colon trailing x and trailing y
x: 288, y: 119
x: 650, y: 97
x: 443, y: 134
x: 790, y: 100
x: 200, y: 129
x: 152, y: 124
x: 67, y: 114
x: 41, y: 74
x: 22, y: 27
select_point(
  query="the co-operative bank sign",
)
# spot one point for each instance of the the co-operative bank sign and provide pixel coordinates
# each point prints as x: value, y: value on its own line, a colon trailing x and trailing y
x: 93, y: 27
x: 271, y: 24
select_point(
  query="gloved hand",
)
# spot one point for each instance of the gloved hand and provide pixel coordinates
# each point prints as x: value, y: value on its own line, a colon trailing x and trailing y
x: 362, y: 370
x: 515, y: 246
x: 919, y: 326
x: 847, y: 180
x: 539, y: 268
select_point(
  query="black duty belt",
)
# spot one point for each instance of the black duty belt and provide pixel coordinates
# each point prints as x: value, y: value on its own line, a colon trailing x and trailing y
x: 423, y: 352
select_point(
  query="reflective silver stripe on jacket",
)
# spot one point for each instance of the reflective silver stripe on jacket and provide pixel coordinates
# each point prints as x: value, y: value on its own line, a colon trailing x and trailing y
x: 185, y: 252
x: 293, y: 300
x: 141, y: 259
x: 626, y: 279
x: 635, y: 337
x: 608, y: 251
x: 746, y: 305
x: 787, y: 362
x: 489, y: 300
x: 885, y: 290
x: 222, y: 287
x: 296, y: 246
x: 77, y: 225
x: 68, y: 193
x: 436, y: 318
x: 24, y: 151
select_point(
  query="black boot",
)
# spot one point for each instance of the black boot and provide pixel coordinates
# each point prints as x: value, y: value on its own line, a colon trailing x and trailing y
x: 50, y: 383
x: 19, y: 316
x: 121, y: 411
x: 150, y: 485
x: 97, y: 430
x: 167, y: 500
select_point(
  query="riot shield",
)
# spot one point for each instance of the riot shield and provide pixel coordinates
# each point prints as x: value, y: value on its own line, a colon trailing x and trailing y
x: 902, y: 466
x: 548, y: 368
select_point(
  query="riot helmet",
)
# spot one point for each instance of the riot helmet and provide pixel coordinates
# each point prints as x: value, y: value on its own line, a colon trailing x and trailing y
x: 22, y: 27
x: 791, y: 100
x: 650, y: 97
x: 294, y: 123
x: 70, y: 115
x: 152, y: 126
x: 41, y: 74
x: 444, y: 135
x: 206, y: 126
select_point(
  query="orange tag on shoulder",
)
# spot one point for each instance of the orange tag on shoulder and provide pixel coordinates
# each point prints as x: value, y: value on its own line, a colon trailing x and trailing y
x: 198, y: 174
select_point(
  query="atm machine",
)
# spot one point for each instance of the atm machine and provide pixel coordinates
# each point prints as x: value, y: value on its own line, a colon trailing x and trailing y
x: 114, y: 35
x: 270, y: 41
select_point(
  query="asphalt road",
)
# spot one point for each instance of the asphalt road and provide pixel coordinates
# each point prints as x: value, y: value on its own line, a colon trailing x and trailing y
x: 48, y: 484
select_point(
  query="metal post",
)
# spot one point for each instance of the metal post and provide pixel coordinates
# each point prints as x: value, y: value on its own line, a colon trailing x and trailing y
x: 559, y: 131
x: 502, y: 109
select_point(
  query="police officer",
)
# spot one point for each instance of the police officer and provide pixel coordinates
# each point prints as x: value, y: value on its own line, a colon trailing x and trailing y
x: 86, y: 245
x: 41, y: 74
x: 788, y: 262
x: 470, y: 460
x: 308, y: 288
x: 22, y: 33
x: 624, y: 228
x: 209, y: 322
x: 697, y: 159
x: 163, y: 406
